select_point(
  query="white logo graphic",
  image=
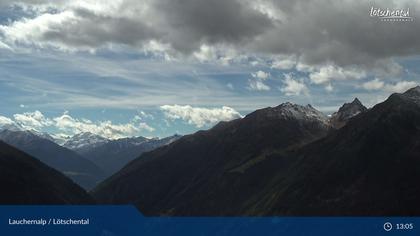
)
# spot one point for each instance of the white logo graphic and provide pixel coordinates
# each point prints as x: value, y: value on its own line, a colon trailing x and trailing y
x: 386, y: 14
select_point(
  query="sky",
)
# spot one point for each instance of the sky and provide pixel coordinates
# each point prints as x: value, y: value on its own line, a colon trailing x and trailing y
x: 154, y: 68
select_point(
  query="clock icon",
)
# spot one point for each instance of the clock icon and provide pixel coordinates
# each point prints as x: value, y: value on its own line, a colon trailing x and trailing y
x: 387, y: 226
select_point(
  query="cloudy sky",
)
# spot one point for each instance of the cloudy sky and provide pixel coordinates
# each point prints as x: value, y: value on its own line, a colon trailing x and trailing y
x: 158, y: 67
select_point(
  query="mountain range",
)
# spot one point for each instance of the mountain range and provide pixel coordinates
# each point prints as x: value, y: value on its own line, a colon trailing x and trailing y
x: 285, y: 160
x: 112, y: 155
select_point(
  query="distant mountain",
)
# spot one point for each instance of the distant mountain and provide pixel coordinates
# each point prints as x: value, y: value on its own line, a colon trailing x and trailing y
x: 25, y: 180
x: 115, y: 154
x: 208, y: 173
x: 346, y: 112
x: 43, y: 135
x: 81, y: 170
x: 60, y: 139
x: 84, y: 141
x: 12, y: 127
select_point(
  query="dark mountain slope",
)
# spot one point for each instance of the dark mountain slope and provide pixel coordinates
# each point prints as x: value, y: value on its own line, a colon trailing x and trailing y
x: 25, y: 180
x: 369, y: 167
x: 207, y: 173
x: 81, y: 170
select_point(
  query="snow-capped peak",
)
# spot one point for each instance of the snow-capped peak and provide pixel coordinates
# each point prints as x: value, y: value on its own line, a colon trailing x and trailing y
x: 290, y: 110
x: 133, y: 141
x: 83, y: 140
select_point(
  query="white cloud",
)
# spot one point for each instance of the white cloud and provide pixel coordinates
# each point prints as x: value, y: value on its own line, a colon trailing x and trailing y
x: 206, y: 53
x: 398, y: 87
x: 284, y: 63
x: 5, y: 121
x: 293, y: 86
x: 32, y: 31
x: 257, y: 85
x: 106, y: 129
x: 329, y: 87
x: 327, y: 73
x: 5, y: 46
x: 144, y: 115
x: 257, y: 82
x: 260, y: 75
x: 199, y: 116
x: 68, y: 125
x: 302, y: 67
x: 375, y: 84
x: 401, y: 86
x: 32, y: 120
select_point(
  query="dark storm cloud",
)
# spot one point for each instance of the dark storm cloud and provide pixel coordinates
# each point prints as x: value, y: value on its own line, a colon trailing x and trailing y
x: 341, y: 31
x: 191, y: 22
x: 316, y: 31
x: 94, y: 30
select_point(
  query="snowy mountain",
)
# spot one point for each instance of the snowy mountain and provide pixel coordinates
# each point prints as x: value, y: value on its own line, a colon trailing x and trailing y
x: 84, y: 141
x: 51, y: 137
x: 294, y: 111
x: 114, y: 154
x: 12, y: 127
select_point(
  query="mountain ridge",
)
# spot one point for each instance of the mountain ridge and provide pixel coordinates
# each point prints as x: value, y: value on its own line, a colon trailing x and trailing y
x: 224, y: 172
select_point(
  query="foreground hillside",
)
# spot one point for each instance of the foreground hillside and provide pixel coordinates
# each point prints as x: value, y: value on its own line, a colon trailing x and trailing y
x: 25, y: 180
x: 73, y: 165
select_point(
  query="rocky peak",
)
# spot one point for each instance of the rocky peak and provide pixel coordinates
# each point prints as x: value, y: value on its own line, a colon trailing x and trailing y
x: 291, y: 110
x: 346, y: 112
